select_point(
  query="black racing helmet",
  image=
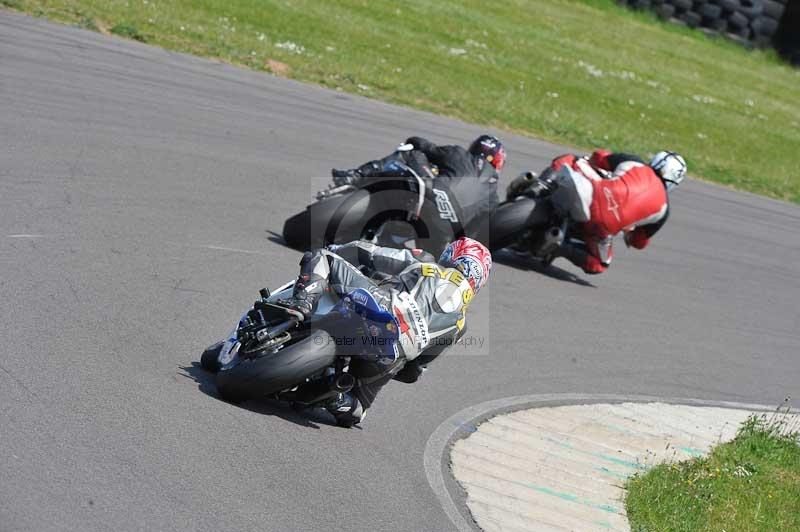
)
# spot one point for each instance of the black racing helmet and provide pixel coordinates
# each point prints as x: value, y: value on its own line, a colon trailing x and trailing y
x: 490, y: 149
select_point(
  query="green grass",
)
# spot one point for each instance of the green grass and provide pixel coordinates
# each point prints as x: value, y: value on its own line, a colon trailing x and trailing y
x: 587, y: 73
x: 126, y: 30
x: 751, y: 483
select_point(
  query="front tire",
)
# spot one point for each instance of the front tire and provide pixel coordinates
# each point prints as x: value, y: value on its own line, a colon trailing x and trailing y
x: 209, y: 360
x: 274, y: 372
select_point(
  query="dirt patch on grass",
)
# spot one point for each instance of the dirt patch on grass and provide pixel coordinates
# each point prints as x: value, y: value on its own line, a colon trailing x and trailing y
x: 278, y: 68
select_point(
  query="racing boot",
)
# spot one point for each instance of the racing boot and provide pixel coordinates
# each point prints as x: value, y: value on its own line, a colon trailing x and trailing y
x: 308, y: 288
x: 577, y: 255
x: 347, y: 410
x: 345, y: 177
x: 355, y: 176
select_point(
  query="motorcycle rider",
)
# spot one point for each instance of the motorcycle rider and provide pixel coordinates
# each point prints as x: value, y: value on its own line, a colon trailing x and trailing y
x: 456, y: 205
x: 428, y: 299
x: 607, y: 193
x: 451, y: 160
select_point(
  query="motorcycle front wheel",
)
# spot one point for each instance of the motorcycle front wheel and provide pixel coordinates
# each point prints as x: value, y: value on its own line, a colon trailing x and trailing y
x: 275, y: 372
x: 209, y: 360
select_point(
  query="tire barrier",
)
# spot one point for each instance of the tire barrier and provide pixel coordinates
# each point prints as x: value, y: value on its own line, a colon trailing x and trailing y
x: 753, y: 23
x: 787, y: 36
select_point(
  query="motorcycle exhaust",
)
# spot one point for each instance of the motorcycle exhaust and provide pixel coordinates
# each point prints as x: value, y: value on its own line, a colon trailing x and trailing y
x: 520, y: 184
x: 343, y: 383
x: 319, y: 392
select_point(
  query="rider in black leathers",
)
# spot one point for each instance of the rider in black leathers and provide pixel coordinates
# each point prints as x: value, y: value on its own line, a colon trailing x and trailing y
x: 451, y: 160
x: 465, y: 203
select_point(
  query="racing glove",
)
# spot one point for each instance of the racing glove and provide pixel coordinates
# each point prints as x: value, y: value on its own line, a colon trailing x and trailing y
x: 345, y: 177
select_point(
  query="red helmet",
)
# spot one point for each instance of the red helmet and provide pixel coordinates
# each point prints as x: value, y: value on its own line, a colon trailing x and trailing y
x: 490, y: 149
x: 471, y: 258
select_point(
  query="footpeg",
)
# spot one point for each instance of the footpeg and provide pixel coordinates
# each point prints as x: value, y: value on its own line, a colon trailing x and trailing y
x: 317, y: 392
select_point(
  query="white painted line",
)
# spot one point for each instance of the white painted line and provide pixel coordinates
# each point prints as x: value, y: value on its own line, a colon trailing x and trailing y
x: 235, y: 250
x: 534, y: 470
x: 25, y: 236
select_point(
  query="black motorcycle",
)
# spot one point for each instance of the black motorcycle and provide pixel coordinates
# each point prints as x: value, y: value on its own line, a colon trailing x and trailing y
x: 408, y: 206
x: 269, y: 354
x: 526, y: 222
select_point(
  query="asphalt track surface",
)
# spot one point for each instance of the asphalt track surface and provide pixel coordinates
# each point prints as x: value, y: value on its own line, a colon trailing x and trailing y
x: 137, y: 189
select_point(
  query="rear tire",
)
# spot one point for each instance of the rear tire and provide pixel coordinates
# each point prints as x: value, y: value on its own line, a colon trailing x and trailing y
x: 682, y: 5
x: 750, y: 8
x: 716, y: 24
x: 727, y: 6
x: 272, y: 373
x: 665, y: 11
x: 737, y: 21
x: 773, y: 9
x: 764, y: 27
x: 710, y: 11
x: 334, y: 220
x: 297, y: 231
x: 692, y: 19
x: 512, y: 218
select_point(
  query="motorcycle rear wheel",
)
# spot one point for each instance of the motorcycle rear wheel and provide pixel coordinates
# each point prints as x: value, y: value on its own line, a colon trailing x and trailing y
x: 512, y: 218
x: 297, y: 231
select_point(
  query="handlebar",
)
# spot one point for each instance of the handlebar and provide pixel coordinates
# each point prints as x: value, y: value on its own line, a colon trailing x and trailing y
x: 332, y: 190
x: 272, y: 332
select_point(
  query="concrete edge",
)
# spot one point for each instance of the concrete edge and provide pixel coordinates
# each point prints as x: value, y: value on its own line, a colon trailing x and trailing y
x: 464, y: 422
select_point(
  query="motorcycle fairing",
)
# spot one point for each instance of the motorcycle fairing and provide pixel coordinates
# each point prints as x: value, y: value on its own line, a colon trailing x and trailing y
x: 373, y: 326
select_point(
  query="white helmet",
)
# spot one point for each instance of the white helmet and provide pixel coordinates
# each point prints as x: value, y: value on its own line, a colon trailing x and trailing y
x: 670, y: 167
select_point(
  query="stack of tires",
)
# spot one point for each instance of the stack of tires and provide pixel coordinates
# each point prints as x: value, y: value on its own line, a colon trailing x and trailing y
x: 749, y: 22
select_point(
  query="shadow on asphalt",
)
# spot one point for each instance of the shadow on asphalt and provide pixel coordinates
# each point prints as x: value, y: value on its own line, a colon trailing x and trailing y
x: 521, y: 262
x: 503, y: 256
x: 310, y: 418
x: 277, y: 238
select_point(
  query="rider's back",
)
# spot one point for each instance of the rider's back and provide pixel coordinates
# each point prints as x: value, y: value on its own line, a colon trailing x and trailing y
x: 634, y: 196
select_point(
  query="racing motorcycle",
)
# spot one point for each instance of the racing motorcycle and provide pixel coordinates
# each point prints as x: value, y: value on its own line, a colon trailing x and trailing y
x: 408, y: 206
x: 270, y: 354
x: 526, y: 222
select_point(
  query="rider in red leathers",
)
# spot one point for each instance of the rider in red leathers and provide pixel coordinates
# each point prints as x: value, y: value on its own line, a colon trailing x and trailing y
x: 609, y: 193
